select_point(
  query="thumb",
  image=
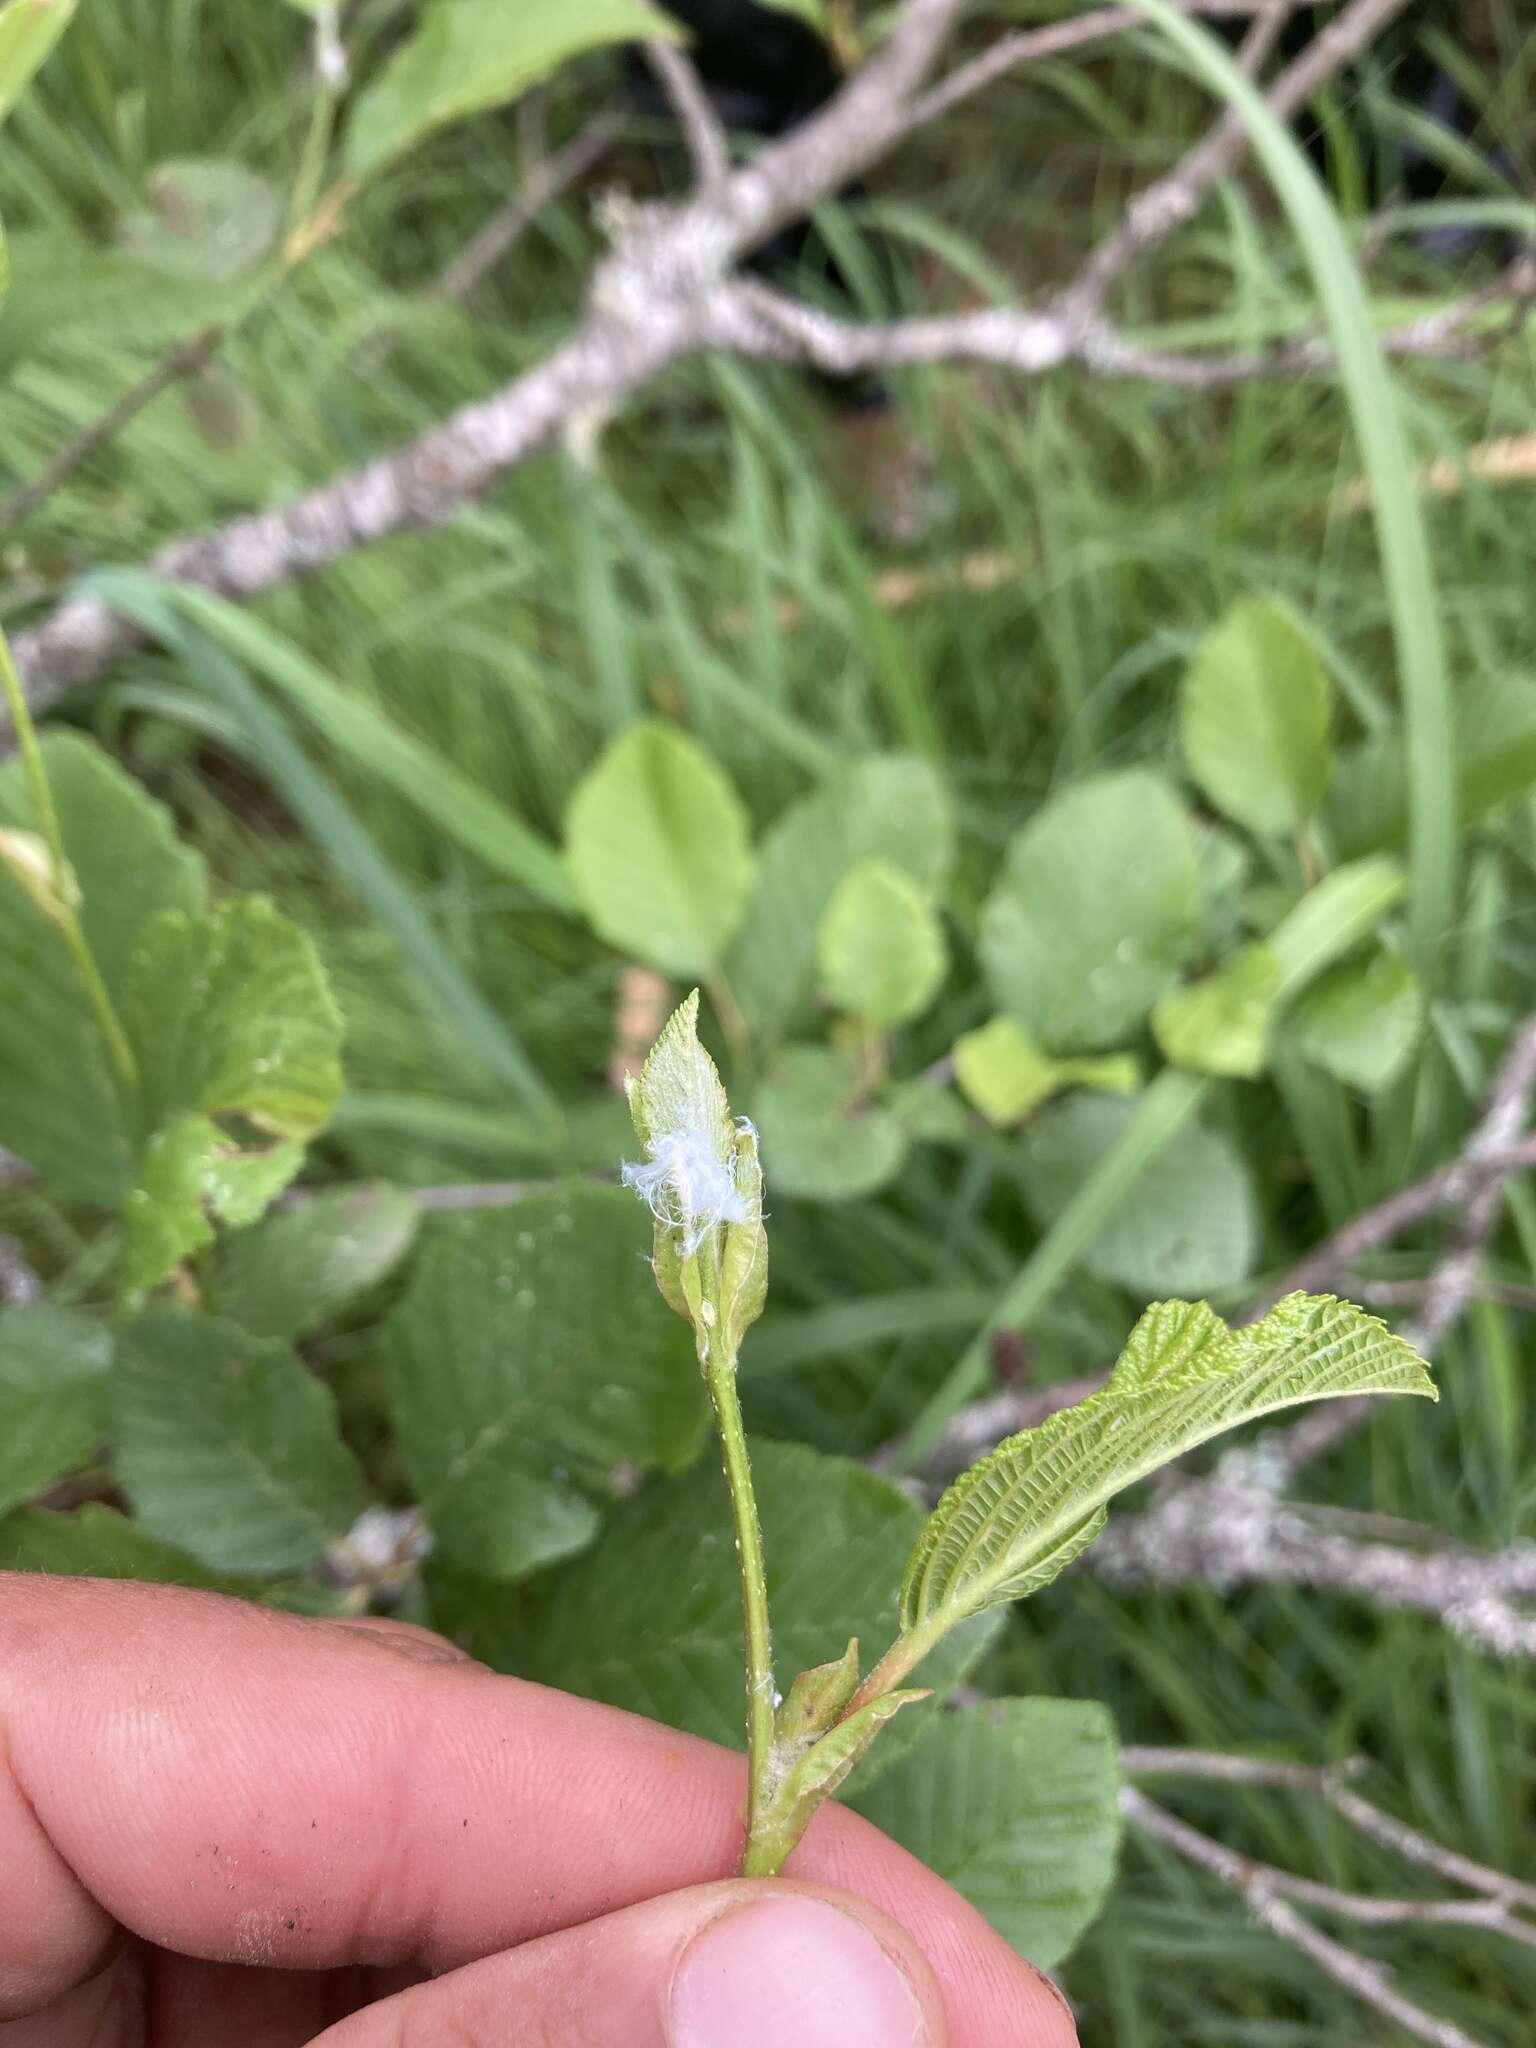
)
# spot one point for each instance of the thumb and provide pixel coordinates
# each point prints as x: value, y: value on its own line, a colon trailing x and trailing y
x: 741, y: 1965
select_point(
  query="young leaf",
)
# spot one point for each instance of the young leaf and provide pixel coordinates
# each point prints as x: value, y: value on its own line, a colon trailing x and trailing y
x: 881, y: 946
x: 828, y: 1762
x: 1332, y: 918
x: 529, y: 1356
x: 228, y: 1447
x: 1255, y: 709
x: 468, y: 55
x: 819, y: 1140
x: 888, y: 807
x: 1094, y: 912
x: 303, y: 1264
x: 1362, y: 1021
x: 231, y: 1017
x: 650, y: 1617
x: 1188, y: 1222
x: 1221, y: 1024
x: 1016, y: 1803
x: 1011, y: 1523
x: 1005, y: 1074
x: 53, y: 1397
x: 657, y: 846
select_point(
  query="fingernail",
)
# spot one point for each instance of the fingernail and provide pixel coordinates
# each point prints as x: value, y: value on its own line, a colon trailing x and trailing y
x: 796, y: 1970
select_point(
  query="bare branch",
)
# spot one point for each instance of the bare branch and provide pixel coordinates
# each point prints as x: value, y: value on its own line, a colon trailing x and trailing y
x: 1227, y: 1533
x: 19, y: 1285
x: 1454, y: 1281
x: 1174, y: 199
x: 708, y: 147
x: 1264, y: 1889
x: 1034, y: 45
x: 545, y: 182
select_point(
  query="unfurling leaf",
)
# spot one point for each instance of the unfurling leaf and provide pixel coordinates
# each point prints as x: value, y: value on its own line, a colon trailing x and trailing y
x: 1221, y: 1024
x: 1011, y: 1523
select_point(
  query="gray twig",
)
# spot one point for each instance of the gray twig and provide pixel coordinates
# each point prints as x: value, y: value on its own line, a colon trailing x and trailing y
x: 709, y: 150
x: 1267, y: 1892
x: 185, y: 360
x: 546, y: 180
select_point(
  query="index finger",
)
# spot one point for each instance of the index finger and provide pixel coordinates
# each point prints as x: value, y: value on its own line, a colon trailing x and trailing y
x: 238, y: 1784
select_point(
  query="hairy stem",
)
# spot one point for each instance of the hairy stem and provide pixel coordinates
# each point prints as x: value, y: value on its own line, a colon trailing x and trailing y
x: 107, y: 1020
x: 720, y: 1376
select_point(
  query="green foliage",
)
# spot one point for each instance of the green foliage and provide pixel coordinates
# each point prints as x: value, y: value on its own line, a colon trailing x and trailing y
x: 1187, y: 1221
x: 822, y: 1139
x: 881, y: 946
x: 650, y: 1617
x: 1093, y: 913
x: 657, y: 845
x: 889, y: 808
x: 1362, y: 1021
x: 207, y: 220
x: 233, y: 1025
x: 1255, y: 711
x: 528, y: 1359
x: 1005, y: 1074
x: 468, y: 55
x: 296, y: 1270
x: 1221, y: 1025
x: 28, y: 31
x: 1016, y: 1803
x: 228, y: 1448
x: 60, y: 1106
x: 54, y: 1369
x: 1013, y: 1522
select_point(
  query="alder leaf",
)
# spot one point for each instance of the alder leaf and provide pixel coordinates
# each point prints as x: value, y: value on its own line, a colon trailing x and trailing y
x: 1016, y: 1803
x: 657, y: 847
x: 1016, y: 1519
x: 881, y: 946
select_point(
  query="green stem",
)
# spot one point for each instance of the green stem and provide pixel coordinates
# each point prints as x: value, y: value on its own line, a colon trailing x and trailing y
x: 720, y: 1375
x: 107, y: 1020
x: 898, y: 1663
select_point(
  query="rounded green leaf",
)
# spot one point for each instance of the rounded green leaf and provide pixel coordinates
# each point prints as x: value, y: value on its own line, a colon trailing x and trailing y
x: 887, y: 807
x: 658, y: 850
x: 1220, y: 1024
x: 1187, y: 1226
x: 228, y: 1447
x: 881, y: 946
x: 530, y: 1355
x: 820, y: 1139
x: 1094, y: 912
x: 1255, y: 710
x: 1362, y: 1021
x: 1016, y: 1803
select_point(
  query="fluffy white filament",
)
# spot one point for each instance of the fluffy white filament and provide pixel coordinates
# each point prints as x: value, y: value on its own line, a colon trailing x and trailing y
x: 684, y: 1182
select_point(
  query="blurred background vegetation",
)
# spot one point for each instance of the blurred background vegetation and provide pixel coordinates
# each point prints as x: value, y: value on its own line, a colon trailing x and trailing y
x: 1004, y: 579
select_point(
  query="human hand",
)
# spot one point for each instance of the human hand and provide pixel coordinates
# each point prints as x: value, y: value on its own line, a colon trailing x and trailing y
x: 221, y: 1824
